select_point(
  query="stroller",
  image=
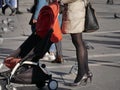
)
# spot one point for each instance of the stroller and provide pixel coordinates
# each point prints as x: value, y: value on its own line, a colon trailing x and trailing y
x: 28, y: 70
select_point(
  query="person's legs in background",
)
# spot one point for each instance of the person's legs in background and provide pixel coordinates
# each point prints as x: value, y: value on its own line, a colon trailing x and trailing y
x: 0, y: 5
x: 59, y: 56
x: 14, y: 3
x: 17, y: 9
x: 9, y: 4
x: 5, y: 7
x: 110, y: 2
x: 14, y: 6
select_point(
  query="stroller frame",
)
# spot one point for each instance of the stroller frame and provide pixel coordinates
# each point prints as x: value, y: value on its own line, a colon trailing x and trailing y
x: 52, y: 84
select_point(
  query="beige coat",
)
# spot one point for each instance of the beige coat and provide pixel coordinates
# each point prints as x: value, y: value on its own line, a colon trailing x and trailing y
x: 75, y: 16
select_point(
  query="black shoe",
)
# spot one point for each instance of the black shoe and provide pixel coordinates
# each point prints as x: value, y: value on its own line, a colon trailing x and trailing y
x: 28, y: 10
x: 3, y: 11
x: 13, y: 12
x: 116, y: 16
x: 58, y: 60
x: 110, y: 2
x: 4, y: 8
x: 18, y: 12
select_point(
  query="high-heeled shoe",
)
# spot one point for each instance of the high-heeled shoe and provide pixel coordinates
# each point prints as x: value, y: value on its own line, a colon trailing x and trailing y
x: 82, y: 82
x: 90, y: 75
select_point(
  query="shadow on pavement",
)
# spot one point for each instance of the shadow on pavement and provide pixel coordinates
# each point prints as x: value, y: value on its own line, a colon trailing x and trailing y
x: 105, y: 63
x: 105, y: 42
x: 35, y: 88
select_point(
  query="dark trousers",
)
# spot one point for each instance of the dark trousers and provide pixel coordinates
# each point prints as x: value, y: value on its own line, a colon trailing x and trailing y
x: 1, y: 3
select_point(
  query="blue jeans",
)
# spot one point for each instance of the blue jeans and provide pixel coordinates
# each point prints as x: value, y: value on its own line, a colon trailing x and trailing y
x: 9, y: 3
x: 52, y: 48
x: 13, y: 3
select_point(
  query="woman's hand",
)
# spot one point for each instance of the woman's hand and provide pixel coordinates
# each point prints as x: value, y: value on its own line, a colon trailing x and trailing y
x: 34, y: 20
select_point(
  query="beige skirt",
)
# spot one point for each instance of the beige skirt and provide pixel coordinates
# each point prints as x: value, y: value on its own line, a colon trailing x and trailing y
x: 74, y: 18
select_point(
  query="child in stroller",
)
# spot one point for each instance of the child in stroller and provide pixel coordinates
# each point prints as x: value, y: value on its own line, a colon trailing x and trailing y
x: 26, y: 69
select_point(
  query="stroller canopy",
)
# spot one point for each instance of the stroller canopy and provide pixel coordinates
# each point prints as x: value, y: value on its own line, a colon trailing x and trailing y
x: 47, y: 20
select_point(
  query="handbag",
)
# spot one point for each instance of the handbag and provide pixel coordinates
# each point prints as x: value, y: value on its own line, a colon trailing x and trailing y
x: 91, y: 23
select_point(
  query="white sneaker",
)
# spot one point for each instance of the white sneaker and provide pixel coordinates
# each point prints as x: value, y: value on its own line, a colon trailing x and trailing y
x: 51, y: 57
x: 46, y: 57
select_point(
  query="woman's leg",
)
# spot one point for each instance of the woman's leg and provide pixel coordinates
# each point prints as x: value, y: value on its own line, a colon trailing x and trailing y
x: 82, y: 56
x: 59, y: 56
x: 12, y: 7
x: 58, y: 49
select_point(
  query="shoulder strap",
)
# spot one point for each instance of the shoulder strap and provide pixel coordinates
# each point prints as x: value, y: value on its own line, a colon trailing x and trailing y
x: 86, y: 2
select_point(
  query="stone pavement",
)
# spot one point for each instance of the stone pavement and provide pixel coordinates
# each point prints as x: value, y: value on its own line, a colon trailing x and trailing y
x: 104, y: 59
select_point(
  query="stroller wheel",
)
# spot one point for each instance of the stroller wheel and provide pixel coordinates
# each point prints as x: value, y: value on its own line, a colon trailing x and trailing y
x: 52, y: 85
x: 40, y: 85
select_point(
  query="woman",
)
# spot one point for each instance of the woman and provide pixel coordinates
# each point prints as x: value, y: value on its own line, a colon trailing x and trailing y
x: 38, y: 4
x: 73, y: 24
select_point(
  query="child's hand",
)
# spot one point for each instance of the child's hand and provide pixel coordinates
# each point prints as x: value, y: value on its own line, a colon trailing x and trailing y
x: 8, y: 59
x: 10, y: 62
